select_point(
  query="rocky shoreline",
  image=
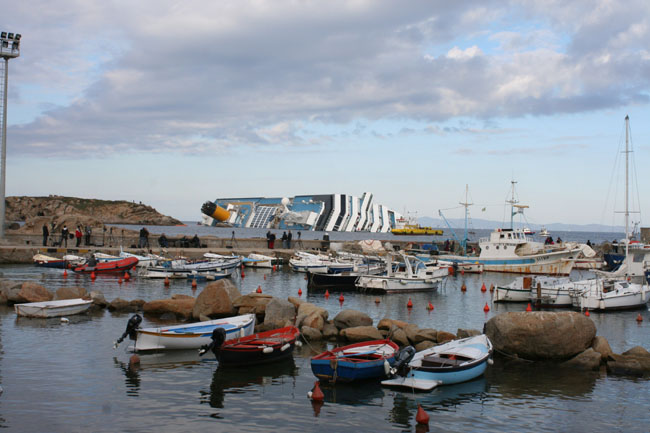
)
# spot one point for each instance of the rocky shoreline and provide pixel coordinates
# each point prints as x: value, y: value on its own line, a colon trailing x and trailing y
x: 565, y: 339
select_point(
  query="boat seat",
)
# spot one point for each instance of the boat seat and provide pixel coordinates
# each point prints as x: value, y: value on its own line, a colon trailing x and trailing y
x: 438, y: 361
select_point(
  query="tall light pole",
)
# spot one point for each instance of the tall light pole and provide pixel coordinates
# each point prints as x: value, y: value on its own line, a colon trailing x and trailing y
x: 9, y: 49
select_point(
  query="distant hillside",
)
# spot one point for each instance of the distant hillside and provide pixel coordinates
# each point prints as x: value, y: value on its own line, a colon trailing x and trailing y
x: 489, y: 225
x: 105, y: 211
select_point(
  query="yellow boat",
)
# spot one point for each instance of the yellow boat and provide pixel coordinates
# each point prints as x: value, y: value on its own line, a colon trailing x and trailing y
x: 414, y: 229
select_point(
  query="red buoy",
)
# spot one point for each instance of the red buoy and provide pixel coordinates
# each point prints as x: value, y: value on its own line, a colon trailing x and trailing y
x: 430, y: 306
x: 127, y: 277
x: 639, y: 318
x: 341, y: 298
x: 451, y: 270
x: 317, y: 394
x: 421, y: 417
x: 259, y: 289
x: 462, y: 271
x: 327, y: 294
x: 194, y: 283
x: 528, y: 308
x: 274, y: 268
x: 587, y: 313
x: 483, y: 288
x: 119, y: 281
x: 242, y: 273
x: 463, y: 288
x: 92, y: 275
x: 65, y: 273
x: 377, y: 301
x: 409, y: 304
x: 166, y: 281
x: 299, y: 291
x: 486, y: 308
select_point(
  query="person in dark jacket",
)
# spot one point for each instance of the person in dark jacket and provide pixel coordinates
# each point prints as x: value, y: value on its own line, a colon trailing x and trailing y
x: 64, y: 236
x: 46, y: 233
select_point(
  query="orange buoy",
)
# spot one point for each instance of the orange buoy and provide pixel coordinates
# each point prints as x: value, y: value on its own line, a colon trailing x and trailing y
x: 127, y: 277
x: 194, y: 283
x: 327, y: 294
x: 483, y: 288
x: 409, y: 304
x: 639, y: 318
x: 119, y: 281
x: 421, y: 417
x: 92, y: 275
x: 430, y: 306
x: 259, y: 289
x: 65, y: 273
x: 463, y: 287
x: 316, y: 394
x: 491, y: 288
x: 451, y: 270
x: 587, y: 313
x: 166, y: 281
x: 486, y: 308
x: 299, y: 291
x: 528, y: 308
x: 377, y: 301
x: 341, y: 298
x: 274, y: 268
x: 242, y: 273
x: 462, y: 271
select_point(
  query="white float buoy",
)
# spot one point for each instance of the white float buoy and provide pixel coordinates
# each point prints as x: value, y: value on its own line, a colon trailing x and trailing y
x: 65, y: 320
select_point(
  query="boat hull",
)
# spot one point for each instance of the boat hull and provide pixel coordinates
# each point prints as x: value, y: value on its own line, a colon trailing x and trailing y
x: 361, y: 361
x: 260, y: 348
x: 383, y: 284
x: 114, y: 266
x: 193, y: 335
x: 47, y: 309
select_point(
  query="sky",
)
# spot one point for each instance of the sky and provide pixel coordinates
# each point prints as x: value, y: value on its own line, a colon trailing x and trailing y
x: 173, y: 103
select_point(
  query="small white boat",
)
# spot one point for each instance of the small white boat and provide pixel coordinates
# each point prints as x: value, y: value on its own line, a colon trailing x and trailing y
x: 415, y: 278
x: 259, y: 261
x: 551, y: 291
x: 307, y: 262
x: 450, y: 363
x: 188, y: 336
x: 609, y: 294
x: 64, y: 307
x: 143, y: 261
x: 517, y: 291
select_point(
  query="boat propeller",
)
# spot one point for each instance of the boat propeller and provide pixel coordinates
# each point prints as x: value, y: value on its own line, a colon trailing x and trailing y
x: 218, y: 337
x: 131, y: 329
x: 402, y: 359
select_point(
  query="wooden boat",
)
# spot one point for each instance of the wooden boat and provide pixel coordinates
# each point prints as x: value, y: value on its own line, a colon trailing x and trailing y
x: 260, y: 261
x: 64, y: 307
x: 67, y: 261
x: 259, y: 348
x: 121, y: 265
x: 366, y: 360
x: 517, y: 291
x: 453, y: 362
x: 188, y: 336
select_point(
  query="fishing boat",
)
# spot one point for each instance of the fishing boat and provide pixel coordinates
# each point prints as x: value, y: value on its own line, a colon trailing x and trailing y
x: 188, y: 336
x: 64, y: 307
x: 259, y: 348
x: 366, y: 360
x: 114, y: 266
x: 416, y: 277
x: 260, y: 261
x: 69, y: 260
x: 450, y: 363
x: 185, y: 269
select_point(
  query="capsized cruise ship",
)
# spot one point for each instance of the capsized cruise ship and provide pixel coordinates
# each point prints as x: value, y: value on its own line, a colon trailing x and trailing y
x: 325, y: 212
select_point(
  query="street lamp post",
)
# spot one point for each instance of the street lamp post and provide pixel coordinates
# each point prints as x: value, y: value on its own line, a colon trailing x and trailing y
x: 9, y: 49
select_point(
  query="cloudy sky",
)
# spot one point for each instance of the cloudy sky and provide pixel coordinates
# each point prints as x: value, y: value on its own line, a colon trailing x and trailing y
x: 173, y: 103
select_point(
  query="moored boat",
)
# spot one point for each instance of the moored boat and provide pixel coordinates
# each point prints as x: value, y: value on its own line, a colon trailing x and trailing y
x: 366, y: 360
x: 113, y: 266
x: 450, y: 363
x: 69, y: 260
x: 415, y: 278
x: 609, y: 294
x: 259, y: 348
x: 187, y: 336
x: 64, y: 307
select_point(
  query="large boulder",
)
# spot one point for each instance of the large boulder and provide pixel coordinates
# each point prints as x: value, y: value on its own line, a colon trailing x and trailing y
x: 361, y: 333
x: 601, y: 345
x: 9, y: 291
x: 398, y: 336
x: 119, y: 305
x: 634, y: 362
x: 387, y: 324
x: 179, y: 305
x: 587, y: 360
x: 330, y: 331
x: 466, y: 333
x: 252, y: 303
x: 314, y: 320
x: 279, y: 313
x: 351, y: 319
x: 444, y: 337
x: 425, y: 334
x: 216, y: 300
x: 306, y: 309
x: 541, y: 335
x: 70, y: 293
x: 98, y: 299
x: 32, y: 292
x: 311, y: 334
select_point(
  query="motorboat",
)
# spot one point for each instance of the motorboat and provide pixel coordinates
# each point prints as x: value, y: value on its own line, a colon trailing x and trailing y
x: 416, y: 277
x: 609, y: 294
x: 454, y: 362
x: 187, y: 336
x: 181, y: 268
x: 64, y: 307
x: 67, y: 261
x: 259, y: 348
x: 549, y: 291
x: 113, y: 266
x: 366, y: 360
x: 308, y: 262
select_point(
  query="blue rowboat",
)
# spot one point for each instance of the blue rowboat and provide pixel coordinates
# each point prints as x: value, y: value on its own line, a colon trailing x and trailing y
x: 454, y: 362
x: 366, y: 360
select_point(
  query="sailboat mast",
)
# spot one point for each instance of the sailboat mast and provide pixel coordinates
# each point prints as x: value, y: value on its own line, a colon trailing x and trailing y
x: 627, y: 209
x: 512, y: 202
x: 466, y: 204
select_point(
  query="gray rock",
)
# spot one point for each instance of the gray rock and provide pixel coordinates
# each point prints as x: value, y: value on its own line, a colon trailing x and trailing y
x: 601, y: 345
x: 306, y: 309
x: 311, y: 334
x: 465, y: 333
x: 541, y: 335
x: 424, y: 345
x: 399, y: 336
x: 444, y: 337
x: 351, y: 319
x: 361, y: 333
x: 587, y: 360
x: 216, y: 300
x: 330, y: 331
x: 278, y: 313
x: 411, y: 331
x: 625, y: 365
x: 425, y: 334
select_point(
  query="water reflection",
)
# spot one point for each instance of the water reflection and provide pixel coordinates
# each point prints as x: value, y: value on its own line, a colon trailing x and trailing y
x: 132, y: 377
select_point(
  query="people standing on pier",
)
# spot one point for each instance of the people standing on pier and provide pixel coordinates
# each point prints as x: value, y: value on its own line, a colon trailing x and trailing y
x: 46, y: 233
x: 89, y: 232
x: 162, y: 241
x: 64, y: 235
x: 78, y: 235
x: 144, y: 238
x: 195, y: 242
x: 271, y: 241
x: 284, y: 240
x: 289, y: 236
x: 268, y: 239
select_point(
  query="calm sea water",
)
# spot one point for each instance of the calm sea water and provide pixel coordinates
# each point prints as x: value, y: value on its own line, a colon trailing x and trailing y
x: 67, y: 377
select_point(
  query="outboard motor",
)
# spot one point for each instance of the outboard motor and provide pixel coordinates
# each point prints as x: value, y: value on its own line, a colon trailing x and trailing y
x: 402, y: 359
x: 218, y: 337
x: 131, y: 329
